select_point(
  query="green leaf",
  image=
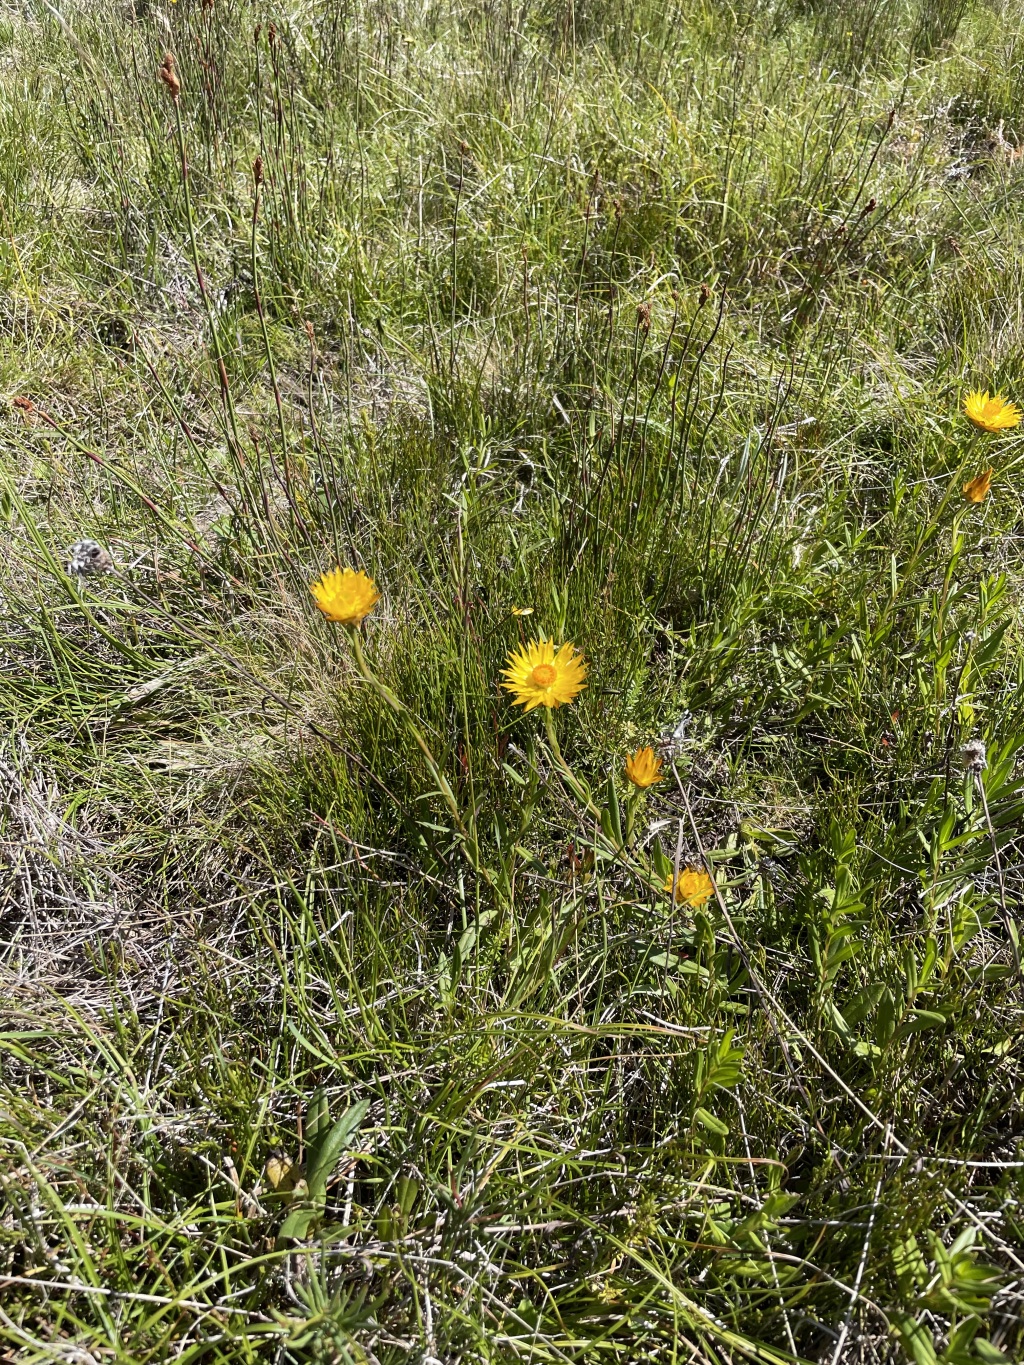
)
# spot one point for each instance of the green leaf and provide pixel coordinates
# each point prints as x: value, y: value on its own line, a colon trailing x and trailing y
x: 662, y: 866
x: 915, y: 1021
x: 931, y: 954
x: 322, y: 1164
x: 991, y: 1355
x: 296, y: 1227
x: 607, y: 829
x: 959, y: 1343
x: 909, y: 1264
x: 711, y: 1123
x: 917, y: 1340
x: 318, y: 1118
x: 865, y: 1049
x: 614, y: 817
x: 885, y: 1018
x: 862, y: 1004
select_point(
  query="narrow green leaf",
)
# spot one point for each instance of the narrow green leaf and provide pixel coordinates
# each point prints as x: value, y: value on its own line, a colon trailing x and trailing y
x: 711, y: 1123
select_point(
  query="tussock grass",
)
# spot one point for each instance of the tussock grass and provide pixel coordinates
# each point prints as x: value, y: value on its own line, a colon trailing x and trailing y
x: 641, y: 327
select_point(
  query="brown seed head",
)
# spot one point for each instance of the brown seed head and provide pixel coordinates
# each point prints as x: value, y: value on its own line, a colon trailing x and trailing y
x: 643, y: 317
x: 705, y: 294
x: 257, y: 171
x: 26, y: 411
x: 169, y: 77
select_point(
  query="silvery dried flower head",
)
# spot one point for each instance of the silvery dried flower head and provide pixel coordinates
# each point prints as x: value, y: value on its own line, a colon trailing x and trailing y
x: 671, y: 740
x: 87, y: 557
x: 973, y: 756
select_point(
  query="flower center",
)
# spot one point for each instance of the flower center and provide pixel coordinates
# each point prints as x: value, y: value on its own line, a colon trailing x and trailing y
x: 544, y: 675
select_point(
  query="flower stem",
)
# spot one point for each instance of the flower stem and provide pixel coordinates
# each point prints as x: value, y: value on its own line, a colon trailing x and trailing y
x: 575, y: 785
x: 467, y: 837
x: 582, y: 793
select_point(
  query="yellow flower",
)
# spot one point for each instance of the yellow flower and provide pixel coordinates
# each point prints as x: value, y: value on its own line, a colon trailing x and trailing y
x: 643, y: 768
x: 346, y: 595
x: 991, y: 414
x: 692, y: 886
x: 538, y: 675
x: 976, y: 490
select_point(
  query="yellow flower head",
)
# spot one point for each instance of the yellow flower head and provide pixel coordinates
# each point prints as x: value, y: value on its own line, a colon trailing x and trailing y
x: 976, y: 490
x: 692, y: 886
x: 643, y: 768
x: 540, y: 675
x: 345, y: 595
x: 991, y: 414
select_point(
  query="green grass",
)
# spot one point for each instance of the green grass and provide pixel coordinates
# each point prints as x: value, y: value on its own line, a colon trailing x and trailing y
x: 654, y: 323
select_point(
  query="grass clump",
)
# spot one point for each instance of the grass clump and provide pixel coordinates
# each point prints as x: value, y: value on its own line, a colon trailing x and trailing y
x: 371, y: 994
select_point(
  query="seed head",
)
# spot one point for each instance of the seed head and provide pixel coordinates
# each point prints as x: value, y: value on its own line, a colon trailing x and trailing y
x: 169, y: 77
x: 973, y: 756
x: 672, y: 739
x: 26, y: 410
x: 257, y: 171
x: 88, y: 557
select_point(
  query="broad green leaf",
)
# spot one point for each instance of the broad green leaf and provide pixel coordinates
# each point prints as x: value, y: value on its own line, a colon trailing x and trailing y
x: 862, y: 1004
x: 328, y: 1151
x: 296, y: 1227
